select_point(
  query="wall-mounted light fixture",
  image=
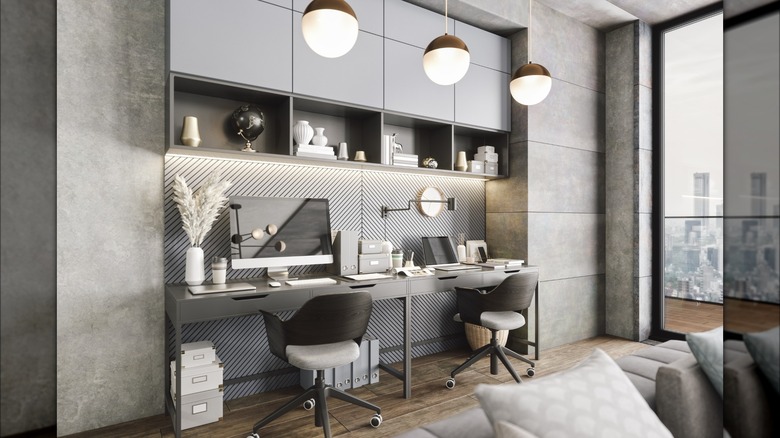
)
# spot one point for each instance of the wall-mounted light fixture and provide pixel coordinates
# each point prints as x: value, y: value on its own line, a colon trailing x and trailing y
x: 531, y: 83
x: 430, y: 202
x: 446, y: 59
x: 330, y: 27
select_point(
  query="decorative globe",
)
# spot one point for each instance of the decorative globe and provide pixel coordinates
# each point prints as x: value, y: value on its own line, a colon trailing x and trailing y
x: 249, y: 122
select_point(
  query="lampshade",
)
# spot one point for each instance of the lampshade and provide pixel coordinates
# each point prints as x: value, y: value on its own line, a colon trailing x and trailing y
x: 446, y: 59
x: 530, y: 84
x: 330, y: 27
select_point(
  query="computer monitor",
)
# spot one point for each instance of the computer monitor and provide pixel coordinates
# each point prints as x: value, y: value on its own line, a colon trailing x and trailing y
x: 277, y: 233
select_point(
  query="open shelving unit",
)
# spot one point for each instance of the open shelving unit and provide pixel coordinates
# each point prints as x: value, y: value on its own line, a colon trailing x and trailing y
x: 213, y: 102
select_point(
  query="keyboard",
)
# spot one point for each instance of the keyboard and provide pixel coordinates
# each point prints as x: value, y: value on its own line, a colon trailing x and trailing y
x: 311, y: 281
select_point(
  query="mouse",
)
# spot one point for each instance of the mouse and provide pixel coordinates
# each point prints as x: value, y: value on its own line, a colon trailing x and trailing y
x: 274, y: 283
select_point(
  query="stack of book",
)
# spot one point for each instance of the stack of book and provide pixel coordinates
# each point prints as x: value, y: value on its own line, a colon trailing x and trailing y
x: 502, y: 263
x: 311, y: 151
x: 406, y: 160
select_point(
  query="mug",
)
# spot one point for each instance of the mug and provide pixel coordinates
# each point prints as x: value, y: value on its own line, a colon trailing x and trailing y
x: 398, y: 258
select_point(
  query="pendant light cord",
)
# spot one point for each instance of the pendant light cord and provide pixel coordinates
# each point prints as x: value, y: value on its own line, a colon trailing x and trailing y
x: 530, y: 17
x: 445, y: 17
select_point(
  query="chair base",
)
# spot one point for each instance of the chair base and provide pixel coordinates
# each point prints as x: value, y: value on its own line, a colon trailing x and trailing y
x: 319, y: 393
x: 497, y: 352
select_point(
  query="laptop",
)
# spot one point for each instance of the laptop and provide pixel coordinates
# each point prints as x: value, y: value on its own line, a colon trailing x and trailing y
x: 440, y: 254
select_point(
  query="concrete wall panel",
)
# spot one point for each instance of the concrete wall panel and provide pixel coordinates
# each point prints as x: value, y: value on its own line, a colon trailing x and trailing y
x: 564, y: 179
x: 566, y: 245
x: 570, y: 310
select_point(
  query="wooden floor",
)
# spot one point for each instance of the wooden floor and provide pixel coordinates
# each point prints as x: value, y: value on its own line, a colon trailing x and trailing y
x: 430, y: 399
x: 685, y: 316
x: 744, y: 316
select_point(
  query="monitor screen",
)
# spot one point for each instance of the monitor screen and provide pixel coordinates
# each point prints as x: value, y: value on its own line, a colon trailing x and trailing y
x: 438, y: 251
x: 279, y: 232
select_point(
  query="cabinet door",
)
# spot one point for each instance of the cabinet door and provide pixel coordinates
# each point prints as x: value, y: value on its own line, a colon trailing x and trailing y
x: 412, y: 24
x: 243, y: 41
x: 353, y: 78
x: 408, y: 89
x: 486, y: 49
x: 482, y: 98
x: 370, y: 13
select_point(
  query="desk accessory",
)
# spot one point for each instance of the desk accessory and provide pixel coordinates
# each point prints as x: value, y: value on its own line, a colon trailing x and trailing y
x: 190, y: 136
x: 198, y: 212
x: 371, y: 263
x: 345, y: 253
x: 250, y: 123
x: 274, y: 284
x: 398, y: 258
x: 221, y: 288
x: 472, y: 249
x: 218, y: 270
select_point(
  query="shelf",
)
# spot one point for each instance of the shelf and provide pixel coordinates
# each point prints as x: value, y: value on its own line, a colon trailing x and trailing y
x: 204, y: 152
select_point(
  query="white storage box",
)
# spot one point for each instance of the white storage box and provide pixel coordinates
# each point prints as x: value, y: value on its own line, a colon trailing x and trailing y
x: 476, y: 166
x: 369, y: 246
x: 198, y: 379
x: 372, y: 263
x: 486, y: 149
x: 363, y: 371
x: 201, y: 408
x: 490, y: 157
x: 491, y: 168
x: 194, y: 354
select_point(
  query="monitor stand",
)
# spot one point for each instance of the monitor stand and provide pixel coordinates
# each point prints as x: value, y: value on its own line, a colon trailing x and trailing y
x: 280, y: 274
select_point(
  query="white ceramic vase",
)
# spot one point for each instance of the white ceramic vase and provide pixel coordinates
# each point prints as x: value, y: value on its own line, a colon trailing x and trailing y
x: 195, y: 271
x: 302, y: 132
x: 190, y: 136
x: 319, y: 138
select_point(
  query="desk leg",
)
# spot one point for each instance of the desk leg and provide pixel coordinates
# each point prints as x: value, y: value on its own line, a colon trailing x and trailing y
x: 408, y: 347
x: 536, y: 322
x: 177, y: 402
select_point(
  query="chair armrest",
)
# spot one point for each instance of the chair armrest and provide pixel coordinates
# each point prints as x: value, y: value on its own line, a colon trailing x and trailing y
x: 276, y: 338
x: 686, y: 402
x: 469, y: 304
x: 749, y: 403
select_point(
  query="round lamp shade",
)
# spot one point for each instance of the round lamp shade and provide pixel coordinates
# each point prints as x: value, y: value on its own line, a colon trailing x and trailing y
x: 446, y: 60
x: 530, y: 84
x: 330, y: 27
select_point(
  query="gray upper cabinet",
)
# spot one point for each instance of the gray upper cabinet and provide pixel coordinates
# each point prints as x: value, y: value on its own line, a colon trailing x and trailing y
x: 486, y: 49
x: 243, y: 41
x: 370, y: 13
x: 353, y: 78
x: 283, y: 3
x: 482, y: 98
x: 407, y: 88
x: 412, y: 24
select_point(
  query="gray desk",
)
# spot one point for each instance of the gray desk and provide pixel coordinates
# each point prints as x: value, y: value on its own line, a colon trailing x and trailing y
x: 181, y: 307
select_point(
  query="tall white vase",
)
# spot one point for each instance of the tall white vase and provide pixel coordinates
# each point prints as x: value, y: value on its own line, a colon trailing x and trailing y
x: 302, y: 132
x: 319, y: 138
x: 195, y: 272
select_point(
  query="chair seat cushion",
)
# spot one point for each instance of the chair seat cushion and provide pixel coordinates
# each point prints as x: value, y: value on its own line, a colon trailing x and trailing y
x: 323, y: 356
x: 501, y: 320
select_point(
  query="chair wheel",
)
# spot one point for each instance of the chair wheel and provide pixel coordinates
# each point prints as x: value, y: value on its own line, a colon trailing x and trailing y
x: 450, y: 383
x: 254, y: 435
x: 376, y: 420
x: 530, y: 372
x: 308, y: 404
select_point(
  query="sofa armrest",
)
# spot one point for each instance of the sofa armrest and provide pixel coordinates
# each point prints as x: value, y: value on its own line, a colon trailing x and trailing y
x: 686, y: 401
x: 750, y: 404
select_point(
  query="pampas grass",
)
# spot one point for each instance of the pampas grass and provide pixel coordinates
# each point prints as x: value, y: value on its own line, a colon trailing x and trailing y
x: 199, y: 210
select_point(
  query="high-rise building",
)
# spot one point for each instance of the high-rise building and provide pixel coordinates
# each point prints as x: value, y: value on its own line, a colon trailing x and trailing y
x: 701, y: 193
x: 758, y: 193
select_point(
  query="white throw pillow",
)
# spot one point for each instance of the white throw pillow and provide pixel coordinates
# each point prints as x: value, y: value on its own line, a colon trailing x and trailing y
x: 764, y: 348
x: 592, y: 399
x: 707, y: 348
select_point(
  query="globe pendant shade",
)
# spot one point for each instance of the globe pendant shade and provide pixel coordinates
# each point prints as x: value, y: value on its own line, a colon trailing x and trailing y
x: 330, y: 27
x: 530, y: 84
x: 446, y: 60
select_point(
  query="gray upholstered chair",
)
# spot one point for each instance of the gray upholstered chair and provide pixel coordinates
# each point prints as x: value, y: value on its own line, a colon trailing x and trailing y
x: 325, y: 333
x: 497, y: 309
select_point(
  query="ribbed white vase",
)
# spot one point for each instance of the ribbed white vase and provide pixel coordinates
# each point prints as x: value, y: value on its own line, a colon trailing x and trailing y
x: 195, y: 271
x: 319, y: 138
x: 302, y: 132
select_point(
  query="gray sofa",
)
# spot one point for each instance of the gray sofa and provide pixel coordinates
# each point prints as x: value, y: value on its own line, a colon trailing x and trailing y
x: 673, y: 384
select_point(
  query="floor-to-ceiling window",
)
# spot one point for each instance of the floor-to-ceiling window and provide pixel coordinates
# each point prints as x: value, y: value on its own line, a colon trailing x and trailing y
x: 689, y: 187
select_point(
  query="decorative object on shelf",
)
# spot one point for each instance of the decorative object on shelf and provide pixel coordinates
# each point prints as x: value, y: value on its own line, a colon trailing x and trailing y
x: 360, y: 156
x: 198, y: 212
x: 343, y: 151
x: 302, y: 132
x: 218, y: 270
x: 446, y: 59
x: 387, y: 152
x: 330, y: 27
x: 461, y: 247
x: 460, y: 161
x: 319, y: 138
x: 250, y: 123
x: 430, y: 163
x: 190, y: 136
x: 429, y: 195
x: 394, y: 145
x: 531, y: 83
x: 387, y: 247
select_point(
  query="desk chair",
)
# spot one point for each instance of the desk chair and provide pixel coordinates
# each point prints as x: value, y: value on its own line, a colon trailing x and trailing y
x: 325, y: 333
x: 497, y: 309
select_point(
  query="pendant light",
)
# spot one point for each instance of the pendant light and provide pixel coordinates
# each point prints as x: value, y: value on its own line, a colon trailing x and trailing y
x: 531, y: 83
x: 330, y: 27
x: 446, y: 59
